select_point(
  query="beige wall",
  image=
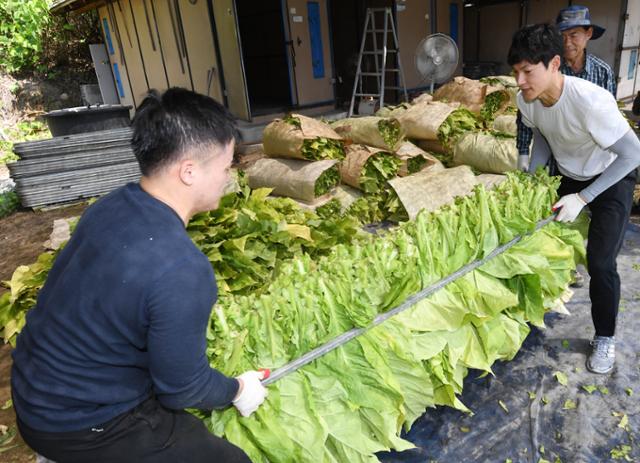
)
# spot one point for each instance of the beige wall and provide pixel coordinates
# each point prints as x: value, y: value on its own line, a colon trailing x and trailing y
x: 442, y: 12
x: 173, y: 53
x: 151, y: 51
x: 309, y: 89
x: 135, y: 67
x: 231, y: 57
x: 149, y: 44
x: 202, y: 53
x: 606, y: 14
x: 414, y: 25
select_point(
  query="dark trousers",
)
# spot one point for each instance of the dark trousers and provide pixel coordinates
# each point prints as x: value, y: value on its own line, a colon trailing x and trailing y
x: 609, y: 216
x: 147, y: 433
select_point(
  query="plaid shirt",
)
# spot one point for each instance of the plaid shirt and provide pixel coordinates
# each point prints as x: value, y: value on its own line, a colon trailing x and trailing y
x: 595, y: 70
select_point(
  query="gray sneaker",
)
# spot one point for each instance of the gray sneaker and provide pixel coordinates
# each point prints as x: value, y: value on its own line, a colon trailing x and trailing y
x: 603, y: 354
x: 578, y: 279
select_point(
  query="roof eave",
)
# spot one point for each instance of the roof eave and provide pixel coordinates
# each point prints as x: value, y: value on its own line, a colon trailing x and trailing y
x: 65, y: 6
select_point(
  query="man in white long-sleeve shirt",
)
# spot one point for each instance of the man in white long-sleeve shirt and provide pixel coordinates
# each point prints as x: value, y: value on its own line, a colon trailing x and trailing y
x: 596, y: 152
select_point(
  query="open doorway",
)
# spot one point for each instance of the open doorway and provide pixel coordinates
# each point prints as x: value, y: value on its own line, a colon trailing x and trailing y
x: 264, y: 54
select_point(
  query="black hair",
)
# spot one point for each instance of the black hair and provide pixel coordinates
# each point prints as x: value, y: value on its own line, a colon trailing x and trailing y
x: 535, y: 43
x: 168, y: 124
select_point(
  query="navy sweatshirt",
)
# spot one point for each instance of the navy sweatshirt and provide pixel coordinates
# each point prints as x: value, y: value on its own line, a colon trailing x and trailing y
x: 122, y: 316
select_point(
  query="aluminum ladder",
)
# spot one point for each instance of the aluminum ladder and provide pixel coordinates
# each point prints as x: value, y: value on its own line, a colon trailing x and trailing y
x: 381, y: 69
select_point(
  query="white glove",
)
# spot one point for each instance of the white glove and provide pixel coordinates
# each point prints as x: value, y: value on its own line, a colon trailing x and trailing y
x: 523, y: 163
x: 570, y: 207
x: 251, y: 393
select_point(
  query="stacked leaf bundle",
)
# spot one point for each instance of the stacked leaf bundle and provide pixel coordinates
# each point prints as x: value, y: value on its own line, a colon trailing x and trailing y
x: 379, y: 132
x: 378, y: 153
x: 487, y: 151
x: 500, y: 99
x: 367, y: 168
x: 355, y: 400
x: 437, y: 125
x: 293, y: 178
x: 300, y: 137
x: 304, y: 139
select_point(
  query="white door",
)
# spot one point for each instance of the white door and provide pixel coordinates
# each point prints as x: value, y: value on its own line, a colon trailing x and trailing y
x: 628, y: 83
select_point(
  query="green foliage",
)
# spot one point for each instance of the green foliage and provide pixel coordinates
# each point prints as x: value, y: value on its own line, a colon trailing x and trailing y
x: 21, y: 25
x: 8, y: 203
x: 26, y: 130
x: 327, y: 181
x: 32, y: 40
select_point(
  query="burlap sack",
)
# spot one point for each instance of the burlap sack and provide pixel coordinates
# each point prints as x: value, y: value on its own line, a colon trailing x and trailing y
x: 407, y: 151
x: 505, y: 81
x: 486, y: 152
x: 352, y: 166
x: 433, y: 146
x: 423, y: 98
x: 288, y: 177
x: 422, y: 120
x: 282, y: 139
x: 366, y: 131
x: 432, y: 190
x: 490, y: 181
x: 345, y: 195
x: 392, y: 111
x: 470, y: 93
x: 506, y: 123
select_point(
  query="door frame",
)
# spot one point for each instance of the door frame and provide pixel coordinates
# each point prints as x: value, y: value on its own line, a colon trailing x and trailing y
x: 289, y: 50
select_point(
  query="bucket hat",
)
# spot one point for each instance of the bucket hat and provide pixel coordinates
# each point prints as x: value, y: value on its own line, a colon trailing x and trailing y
x: 577, y: 16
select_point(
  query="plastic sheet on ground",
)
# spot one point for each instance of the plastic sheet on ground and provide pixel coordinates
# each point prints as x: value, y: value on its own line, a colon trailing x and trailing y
x: 594, y: 418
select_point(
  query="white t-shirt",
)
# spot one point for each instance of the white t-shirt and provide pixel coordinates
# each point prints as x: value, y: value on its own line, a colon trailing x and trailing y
x: 579, y: 127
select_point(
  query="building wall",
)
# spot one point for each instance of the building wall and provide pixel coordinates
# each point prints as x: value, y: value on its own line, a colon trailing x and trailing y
x: 116, y: 57
x: 414, y: 24
x: 443, y: 25
x: 606, y: 14
x: 160, y: 45
x: 497, y: 23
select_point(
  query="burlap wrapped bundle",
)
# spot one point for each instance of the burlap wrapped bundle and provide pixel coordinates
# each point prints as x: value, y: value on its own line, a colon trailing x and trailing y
x: 506, y: 123
x: 392, y: 111
x: 433, y: 146
x: 294, y: 178
x: 415, y: 160
x: 334, y: 203
x: 354, y: 170
x: 468, y: 92
x: 422, y: 120
x: 422, y: 98
x: 301, y: 137
x: 486, y: 152
x: 431, y: 190
x: 490, y: 181
x: 380, y: 132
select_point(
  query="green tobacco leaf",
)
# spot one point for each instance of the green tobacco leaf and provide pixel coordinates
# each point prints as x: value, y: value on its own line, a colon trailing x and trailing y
x: 561, y: 378
x: 327, y: 181
x: 503, y: 406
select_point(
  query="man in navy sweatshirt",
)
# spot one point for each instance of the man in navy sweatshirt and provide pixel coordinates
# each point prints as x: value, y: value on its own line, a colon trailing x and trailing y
x: 114, y: 349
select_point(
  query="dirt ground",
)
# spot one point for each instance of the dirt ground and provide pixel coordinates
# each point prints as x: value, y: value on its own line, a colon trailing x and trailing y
x: 21, y: 236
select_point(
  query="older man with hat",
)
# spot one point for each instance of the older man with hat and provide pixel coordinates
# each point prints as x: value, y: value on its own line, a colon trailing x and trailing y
x: 575, y: 24
x: 577, y: 29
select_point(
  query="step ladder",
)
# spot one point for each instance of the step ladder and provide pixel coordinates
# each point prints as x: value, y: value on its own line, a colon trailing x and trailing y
x: 371, y: 48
